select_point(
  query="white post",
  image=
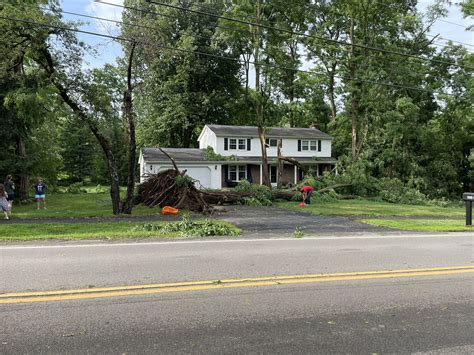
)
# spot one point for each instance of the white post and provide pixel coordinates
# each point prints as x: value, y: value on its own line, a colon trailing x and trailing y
x: 261, y: 174
x: 296, y: 174
x: 317, y: 169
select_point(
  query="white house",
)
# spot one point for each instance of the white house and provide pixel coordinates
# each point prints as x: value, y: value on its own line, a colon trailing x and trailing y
x: 240, y: 145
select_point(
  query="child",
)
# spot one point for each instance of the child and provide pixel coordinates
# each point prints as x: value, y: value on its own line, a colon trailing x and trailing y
x: 40, y: 196
x: 10, y: 190
x: 3, y: 201
x: 307, y: 192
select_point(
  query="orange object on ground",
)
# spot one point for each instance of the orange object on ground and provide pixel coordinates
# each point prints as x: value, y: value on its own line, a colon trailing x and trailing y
x: 169, y: 210
x: 302, y: 204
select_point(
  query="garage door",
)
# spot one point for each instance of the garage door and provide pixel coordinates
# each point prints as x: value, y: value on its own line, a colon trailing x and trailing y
x: 200, y: 173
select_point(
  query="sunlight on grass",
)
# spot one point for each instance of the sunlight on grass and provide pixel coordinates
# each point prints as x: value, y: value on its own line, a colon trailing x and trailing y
x: 421, y: 225
x: 64, y: 205
x: 371, y: 208
x: 121, y: 229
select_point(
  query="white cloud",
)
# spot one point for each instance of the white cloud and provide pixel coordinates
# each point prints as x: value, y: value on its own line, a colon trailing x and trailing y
x: 106, y: 11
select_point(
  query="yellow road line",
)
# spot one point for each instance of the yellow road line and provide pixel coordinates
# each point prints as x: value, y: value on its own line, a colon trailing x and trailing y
x: 120, y: 291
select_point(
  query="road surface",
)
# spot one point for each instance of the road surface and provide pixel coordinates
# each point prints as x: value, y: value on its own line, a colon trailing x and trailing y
x: 354, y: 294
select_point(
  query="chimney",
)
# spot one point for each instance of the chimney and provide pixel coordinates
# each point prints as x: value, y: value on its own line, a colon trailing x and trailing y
x: 314, y: 125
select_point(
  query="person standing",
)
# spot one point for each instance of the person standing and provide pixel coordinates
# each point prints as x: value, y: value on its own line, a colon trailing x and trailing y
x: 10, y: 190
x: 3, y: 201
x: 40, y: 195
x: 307, y: 191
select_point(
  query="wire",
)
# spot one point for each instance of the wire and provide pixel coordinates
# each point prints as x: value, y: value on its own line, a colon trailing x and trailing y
x: 386, y: 51
x: 222, y: 57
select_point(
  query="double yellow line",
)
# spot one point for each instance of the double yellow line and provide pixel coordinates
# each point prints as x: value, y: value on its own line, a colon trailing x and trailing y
x: 122, y: 291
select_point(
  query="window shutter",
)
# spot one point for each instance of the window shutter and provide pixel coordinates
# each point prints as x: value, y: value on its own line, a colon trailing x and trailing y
x: 248, y: 144
x: 319, y: 145
x: 226, y: 143
x: 299, y: 145
x: 249, y: 173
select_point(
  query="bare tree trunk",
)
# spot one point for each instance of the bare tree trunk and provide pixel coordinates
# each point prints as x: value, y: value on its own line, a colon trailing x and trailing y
x: 280, y: 165
x: 127, y: 205
x: 354, y: 102
x: 21, y: 154
x: 259, y: 104
x: 332, y: 100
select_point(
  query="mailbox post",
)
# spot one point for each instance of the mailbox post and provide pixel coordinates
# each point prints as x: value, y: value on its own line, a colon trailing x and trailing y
x: 468, y: 197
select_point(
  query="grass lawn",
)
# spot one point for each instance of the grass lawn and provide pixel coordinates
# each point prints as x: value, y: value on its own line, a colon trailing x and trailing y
x: 65, y: 205
x: 371, y: 208
x: 122, y: 229
x: 422, y: 225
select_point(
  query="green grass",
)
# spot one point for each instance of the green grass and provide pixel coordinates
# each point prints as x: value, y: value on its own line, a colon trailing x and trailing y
x: 65, y: 205
x: 422, y: 225
x: 371, y: 208
x: 121, y: 229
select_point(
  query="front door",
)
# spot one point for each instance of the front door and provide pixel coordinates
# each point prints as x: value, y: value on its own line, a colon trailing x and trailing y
x: 273, y: 174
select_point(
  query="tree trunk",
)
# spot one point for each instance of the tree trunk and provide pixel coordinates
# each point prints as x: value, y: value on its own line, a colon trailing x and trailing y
x: 21, y: 154
x: 259, y: 104
x: 82, y: 114
x: 332, y: 100
x: 280, y: 165
x: 354, y: 102
x: 127, y: 205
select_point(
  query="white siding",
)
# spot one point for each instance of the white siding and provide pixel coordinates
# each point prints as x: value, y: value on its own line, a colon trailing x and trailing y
x: 289, y: 148
x: 209, y: 175
x: 207, y: 138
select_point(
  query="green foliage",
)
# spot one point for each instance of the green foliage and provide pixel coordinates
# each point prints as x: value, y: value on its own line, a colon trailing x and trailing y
x: 299, y: 232
x: 261, y: 195
x: 395, y: 191
x: 184, y: 181
x: 211, y: 155
x: 187, y: 228
x: 76, y: 188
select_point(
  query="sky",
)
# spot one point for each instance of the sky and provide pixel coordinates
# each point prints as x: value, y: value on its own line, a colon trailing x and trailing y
x: 451, y: 27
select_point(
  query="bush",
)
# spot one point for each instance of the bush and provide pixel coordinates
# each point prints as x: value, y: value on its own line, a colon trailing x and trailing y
x: 187, y: 228
x: 261, y: 194
x: 395, y: 191
x: 76, y: 188
x: 184, y: 181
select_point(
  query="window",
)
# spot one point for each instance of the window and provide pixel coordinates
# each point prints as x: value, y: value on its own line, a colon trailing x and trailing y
x: 313, y: 145
x: 304, y: 145
x: 237, y: 172
x: 271, y: 142
x: 237, y: 143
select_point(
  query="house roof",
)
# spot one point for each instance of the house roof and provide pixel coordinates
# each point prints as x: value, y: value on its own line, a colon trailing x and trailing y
x: 270, y: 132
x: 194, y: 155
x: 178, y: 154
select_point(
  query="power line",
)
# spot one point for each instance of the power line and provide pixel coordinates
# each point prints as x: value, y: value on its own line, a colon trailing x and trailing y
x: 155, y: 28
x: 386, y: 51
x: 123, y: 39
x: 167, y: 16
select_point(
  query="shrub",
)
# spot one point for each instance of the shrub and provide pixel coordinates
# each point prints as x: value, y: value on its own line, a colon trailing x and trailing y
x: 395, y: 191
x: 99, y: 189
x: 184, y: 181
x: 260, y: 193
x: 186, y: 228
x: 76, y: 188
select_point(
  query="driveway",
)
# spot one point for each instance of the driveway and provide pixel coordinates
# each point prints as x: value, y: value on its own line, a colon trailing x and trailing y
x: 271, y: 221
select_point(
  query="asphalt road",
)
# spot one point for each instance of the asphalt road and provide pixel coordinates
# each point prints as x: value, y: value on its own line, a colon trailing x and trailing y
x: 424, y: 312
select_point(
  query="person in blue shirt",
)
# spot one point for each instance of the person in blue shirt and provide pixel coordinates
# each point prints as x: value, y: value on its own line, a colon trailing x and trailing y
x: 40, y: 194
